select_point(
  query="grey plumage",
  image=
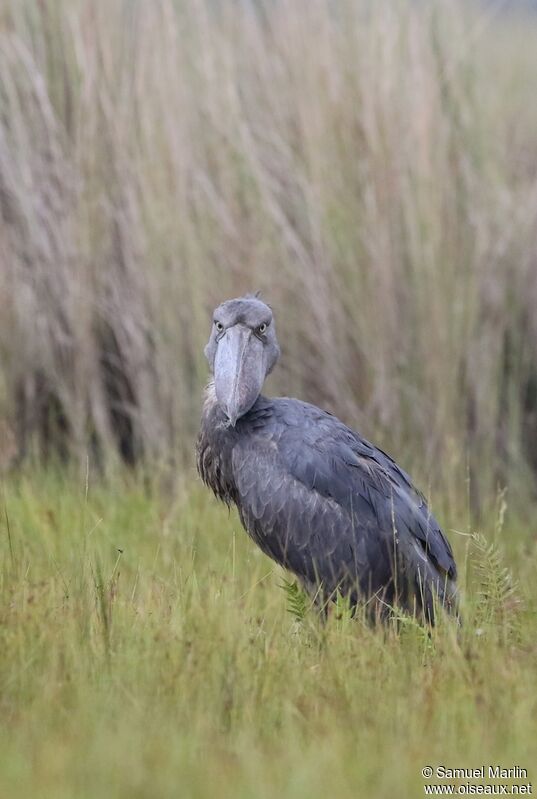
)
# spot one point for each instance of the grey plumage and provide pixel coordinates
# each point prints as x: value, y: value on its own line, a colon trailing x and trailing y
x: 312, y: 493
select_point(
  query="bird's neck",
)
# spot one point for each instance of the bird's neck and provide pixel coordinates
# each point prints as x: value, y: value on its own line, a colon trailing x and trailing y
x: 213, y: 411
x: 214, y: 448
x: 210, y: 403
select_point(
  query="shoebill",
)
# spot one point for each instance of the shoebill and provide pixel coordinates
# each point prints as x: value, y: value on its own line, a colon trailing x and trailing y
x: 312, y: 493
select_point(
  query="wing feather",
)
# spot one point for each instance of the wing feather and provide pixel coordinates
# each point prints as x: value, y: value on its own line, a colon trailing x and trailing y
x: 333, y: 508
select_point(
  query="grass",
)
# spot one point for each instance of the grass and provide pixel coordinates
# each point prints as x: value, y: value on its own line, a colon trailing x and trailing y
x: 371, y: 167
x: 147, y: 650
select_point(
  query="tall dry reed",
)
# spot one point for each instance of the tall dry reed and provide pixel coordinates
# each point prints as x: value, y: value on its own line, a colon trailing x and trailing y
x: 371, y: 167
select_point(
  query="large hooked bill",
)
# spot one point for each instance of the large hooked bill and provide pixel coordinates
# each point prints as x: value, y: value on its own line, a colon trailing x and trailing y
x: 239, y: 371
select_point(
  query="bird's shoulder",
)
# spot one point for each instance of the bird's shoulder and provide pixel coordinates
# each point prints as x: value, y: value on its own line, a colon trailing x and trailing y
x: 319, y: 449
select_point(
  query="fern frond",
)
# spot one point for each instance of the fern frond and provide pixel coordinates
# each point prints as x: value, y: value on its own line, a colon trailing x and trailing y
x: 297, y: 600
x: 498, y: 591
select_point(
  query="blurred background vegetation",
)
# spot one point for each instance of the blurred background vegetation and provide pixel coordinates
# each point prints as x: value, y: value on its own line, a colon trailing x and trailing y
x: 371, y: 167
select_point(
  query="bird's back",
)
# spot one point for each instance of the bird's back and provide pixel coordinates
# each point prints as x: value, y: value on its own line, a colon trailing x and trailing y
x: 328, y: 505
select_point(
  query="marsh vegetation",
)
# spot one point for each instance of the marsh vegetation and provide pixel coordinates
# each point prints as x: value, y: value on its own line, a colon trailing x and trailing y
x: 156, y: 158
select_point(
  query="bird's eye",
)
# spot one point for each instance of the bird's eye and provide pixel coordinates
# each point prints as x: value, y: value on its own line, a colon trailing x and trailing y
x: 262, y: 329
x: 219, y: 326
